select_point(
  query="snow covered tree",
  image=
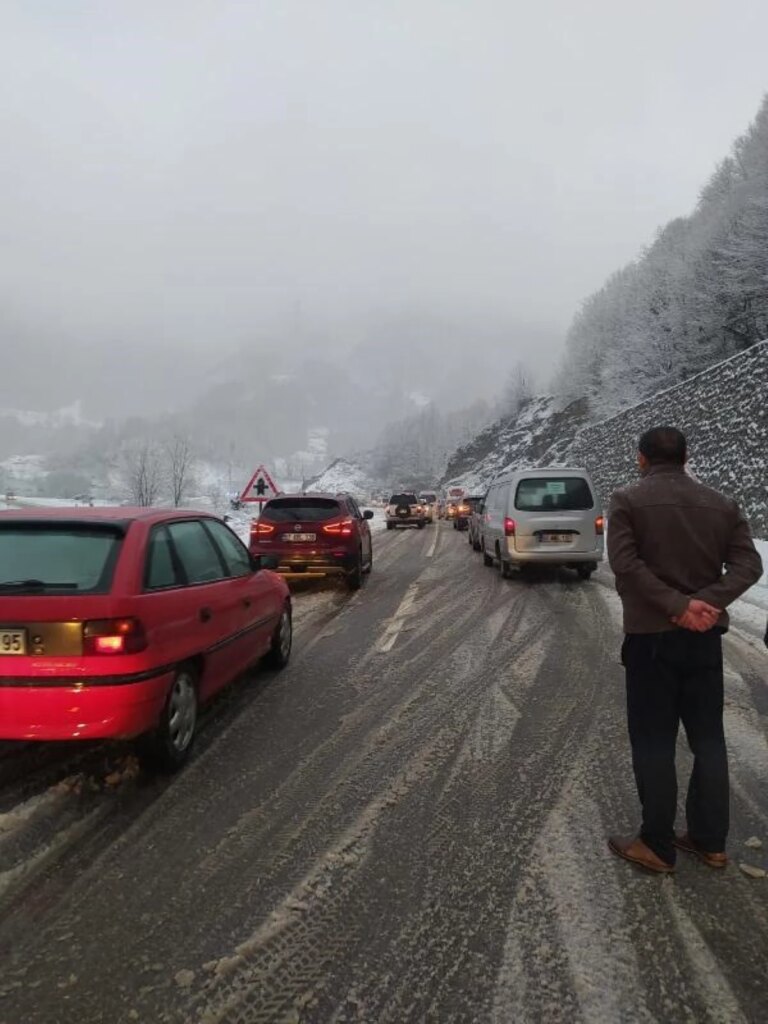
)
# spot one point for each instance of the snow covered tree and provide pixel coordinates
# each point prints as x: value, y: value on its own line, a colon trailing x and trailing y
x: 697, y: 295
x: 180, y: 460
x: 143, y: 471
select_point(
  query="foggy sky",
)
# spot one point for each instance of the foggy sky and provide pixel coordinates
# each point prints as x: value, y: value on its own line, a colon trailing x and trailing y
x: 200, y: 172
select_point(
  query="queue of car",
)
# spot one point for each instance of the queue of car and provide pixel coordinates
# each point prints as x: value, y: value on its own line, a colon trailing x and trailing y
x: 546, y: 517
x: 121, y: 622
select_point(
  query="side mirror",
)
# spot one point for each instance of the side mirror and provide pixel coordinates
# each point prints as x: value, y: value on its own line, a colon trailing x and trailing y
x: 260, y: 562
x: 367, y: 514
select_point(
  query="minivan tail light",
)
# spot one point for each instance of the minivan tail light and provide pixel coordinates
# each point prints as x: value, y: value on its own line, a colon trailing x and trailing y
x: 113, y: 636
x: 261, y: 529
x: 600, y: 526
x: 509, y: 527
x: 339, y: 528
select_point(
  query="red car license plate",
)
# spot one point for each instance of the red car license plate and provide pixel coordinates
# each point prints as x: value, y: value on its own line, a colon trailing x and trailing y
x: 13, y: 641
x: 297, y: 537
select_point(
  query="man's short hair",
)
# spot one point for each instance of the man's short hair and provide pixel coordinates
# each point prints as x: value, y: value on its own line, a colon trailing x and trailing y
x: 664, y: 444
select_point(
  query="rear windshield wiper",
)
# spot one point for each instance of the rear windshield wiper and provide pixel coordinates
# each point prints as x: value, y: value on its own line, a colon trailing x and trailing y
x: 36, y: 585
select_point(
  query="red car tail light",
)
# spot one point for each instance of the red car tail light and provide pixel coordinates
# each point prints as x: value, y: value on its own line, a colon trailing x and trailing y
x: 600, y: 526
x: 261, y: 529
x: 339, y: 528
x: 113, y: 636
x: 509, y: 527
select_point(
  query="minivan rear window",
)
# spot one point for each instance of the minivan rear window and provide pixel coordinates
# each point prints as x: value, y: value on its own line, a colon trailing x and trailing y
x: 49, y: 558
x: 554, y: 494
x: 302, y: 510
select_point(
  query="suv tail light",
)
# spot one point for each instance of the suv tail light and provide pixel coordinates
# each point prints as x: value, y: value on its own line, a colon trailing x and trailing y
x: 600, y: 526
x: 339, y: 527
x: 509, y: 527
x: 259, y: 529
x: 113, y: 636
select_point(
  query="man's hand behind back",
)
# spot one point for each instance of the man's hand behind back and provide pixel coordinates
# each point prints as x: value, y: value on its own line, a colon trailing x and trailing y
x: 699, y: 617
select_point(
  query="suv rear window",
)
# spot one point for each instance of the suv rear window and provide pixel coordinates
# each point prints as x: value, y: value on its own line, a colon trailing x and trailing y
x: 306, y: 510
x: 430, y: 499
x: 403, y: 499
x: 58, y: 558
x: 554, y: 494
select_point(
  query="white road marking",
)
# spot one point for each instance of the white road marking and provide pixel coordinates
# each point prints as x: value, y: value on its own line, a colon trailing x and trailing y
x: 396, y: 624
x: 432, y: 550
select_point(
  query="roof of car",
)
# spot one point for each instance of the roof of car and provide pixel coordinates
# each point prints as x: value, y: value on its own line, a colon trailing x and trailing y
x: 103, y: 514
x: 309, y: 494
x: 539, y: 471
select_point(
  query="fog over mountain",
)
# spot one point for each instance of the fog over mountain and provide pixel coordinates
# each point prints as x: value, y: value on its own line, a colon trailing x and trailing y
x: 273, y: 217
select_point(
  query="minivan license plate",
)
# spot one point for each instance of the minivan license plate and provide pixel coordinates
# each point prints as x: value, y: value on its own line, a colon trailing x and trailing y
x: 290, y: 537
x: 13, y: 641
x: 556, y: 538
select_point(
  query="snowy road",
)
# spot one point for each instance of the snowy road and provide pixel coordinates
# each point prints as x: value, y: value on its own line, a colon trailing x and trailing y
x: 407, y: 825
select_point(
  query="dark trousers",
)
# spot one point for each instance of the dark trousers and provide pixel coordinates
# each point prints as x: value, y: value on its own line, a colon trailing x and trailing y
x: 671, y: 678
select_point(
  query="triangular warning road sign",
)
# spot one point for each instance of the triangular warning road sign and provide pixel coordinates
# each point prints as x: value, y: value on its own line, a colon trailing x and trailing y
x: 260, y: 488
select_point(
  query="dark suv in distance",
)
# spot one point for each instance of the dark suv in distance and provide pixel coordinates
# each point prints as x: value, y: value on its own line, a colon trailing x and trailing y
x: 315, y: 535
x: 465, y: 510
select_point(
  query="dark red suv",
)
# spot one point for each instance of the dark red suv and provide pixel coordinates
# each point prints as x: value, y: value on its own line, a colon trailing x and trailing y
x: 315, y: 535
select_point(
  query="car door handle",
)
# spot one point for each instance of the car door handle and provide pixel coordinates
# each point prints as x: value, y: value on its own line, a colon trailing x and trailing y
x: 206, y: 614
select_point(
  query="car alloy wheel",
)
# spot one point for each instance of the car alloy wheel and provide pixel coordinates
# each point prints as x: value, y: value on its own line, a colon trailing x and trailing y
x: 279, y: 653
x: 182, y: 712
x: 167, y: 747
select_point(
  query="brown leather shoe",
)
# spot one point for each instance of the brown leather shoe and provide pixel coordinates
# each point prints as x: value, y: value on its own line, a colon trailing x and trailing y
x: 712, y: 860
x: 633, y: 849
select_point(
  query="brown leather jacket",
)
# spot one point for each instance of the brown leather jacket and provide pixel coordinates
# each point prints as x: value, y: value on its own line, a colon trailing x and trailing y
x: 669, y: 538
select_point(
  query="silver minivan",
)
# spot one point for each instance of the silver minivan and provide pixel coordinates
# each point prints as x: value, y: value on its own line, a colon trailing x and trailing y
x: 543, y: 517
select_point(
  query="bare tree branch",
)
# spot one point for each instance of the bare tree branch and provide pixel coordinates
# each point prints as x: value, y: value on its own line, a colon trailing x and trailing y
x: 143, y: 473
x: 180, y: 462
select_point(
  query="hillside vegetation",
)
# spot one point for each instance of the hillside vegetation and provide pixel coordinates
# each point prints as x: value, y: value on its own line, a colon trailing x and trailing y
x: 696, y: 296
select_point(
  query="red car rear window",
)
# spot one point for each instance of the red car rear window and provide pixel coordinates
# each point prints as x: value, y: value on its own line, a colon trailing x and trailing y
x: 55, y: 558
x: 301, y: 510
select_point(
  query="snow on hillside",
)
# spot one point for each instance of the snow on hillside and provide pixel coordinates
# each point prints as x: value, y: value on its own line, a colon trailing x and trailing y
x: 343, y: 475
x: 69, y: 416
x: 519, y: 441
x: 723, y: 412
x: 22, y: 467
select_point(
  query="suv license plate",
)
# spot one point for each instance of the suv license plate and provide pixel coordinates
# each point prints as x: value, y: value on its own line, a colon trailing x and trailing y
x: 13, y: 641
x: 556, y: 538
x: 293, y: 537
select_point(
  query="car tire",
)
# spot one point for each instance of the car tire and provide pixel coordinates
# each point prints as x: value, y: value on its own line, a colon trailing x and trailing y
x: 584, y: 571
x: 421, y: 525
x: 390, y: 526
x: 279, y: 653
x: 470, y: 541
x: 355, y: 576
x: 167, y: 747
x: 487, y: 559
x: 505, y: 568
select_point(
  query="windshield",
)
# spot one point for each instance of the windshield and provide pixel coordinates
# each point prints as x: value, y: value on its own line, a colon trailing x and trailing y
x: 554, y: 494
x: 403, y: 499
x: 58, y: 558
x: 301, y: 510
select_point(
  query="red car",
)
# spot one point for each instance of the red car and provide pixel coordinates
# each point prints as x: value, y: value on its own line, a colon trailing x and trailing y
x: 119, y: 622
x: 315, y: 535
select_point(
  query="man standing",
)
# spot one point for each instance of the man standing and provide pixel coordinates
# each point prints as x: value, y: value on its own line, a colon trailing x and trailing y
x: 669, y: 538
